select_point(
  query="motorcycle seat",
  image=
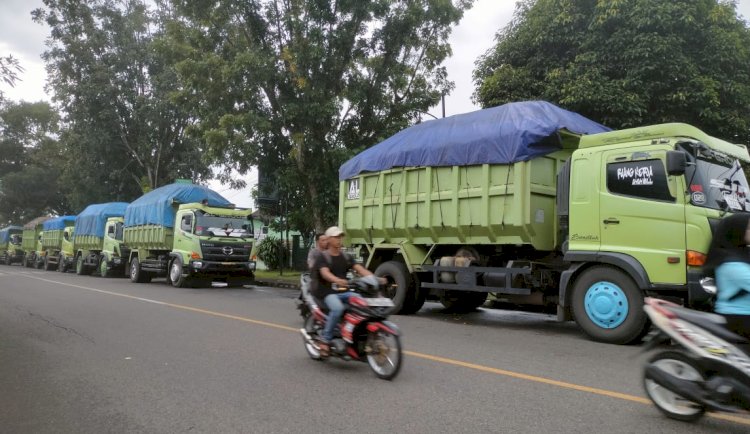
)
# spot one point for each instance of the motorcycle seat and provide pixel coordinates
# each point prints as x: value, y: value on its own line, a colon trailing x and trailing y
x: 712, y: 322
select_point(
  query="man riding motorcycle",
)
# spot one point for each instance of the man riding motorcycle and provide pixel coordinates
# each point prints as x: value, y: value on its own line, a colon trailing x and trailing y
x: 328, y: 276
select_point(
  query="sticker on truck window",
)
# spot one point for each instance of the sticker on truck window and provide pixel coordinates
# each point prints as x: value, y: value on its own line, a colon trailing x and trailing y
x: 645, y: 179
x: 353, y: 192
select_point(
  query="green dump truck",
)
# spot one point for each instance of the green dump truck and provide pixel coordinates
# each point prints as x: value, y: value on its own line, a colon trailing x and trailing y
x: 32, y: 242
x: 10, y: 245
x: 57, y: 243
x: 98, y: 240
x: 540, y: 206
x: 191, y: 235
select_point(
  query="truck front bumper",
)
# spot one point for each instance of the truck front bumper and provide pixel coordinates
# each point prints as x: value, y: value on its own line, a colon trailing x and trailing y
x: 214, y: 268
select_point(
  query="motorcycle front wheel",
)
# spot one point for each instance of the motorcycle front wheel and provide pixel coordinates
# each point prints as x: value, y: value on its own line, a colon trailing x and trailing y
x: 384, y: 354
x: 671, y: 404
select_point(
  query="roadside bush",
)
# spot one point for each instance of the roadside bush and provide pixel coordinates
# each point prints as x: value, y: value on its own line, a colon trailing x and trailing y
x: 272, y: 252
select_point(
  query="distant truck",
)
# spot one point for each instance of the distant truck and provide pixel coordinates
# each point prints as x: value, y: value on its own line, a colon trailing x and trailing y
x: 98, y: 240
x: 190, y: 234
x: 10, y: 245
x: 57, y: 243
x: 540, y: 206
x: 32, y: 242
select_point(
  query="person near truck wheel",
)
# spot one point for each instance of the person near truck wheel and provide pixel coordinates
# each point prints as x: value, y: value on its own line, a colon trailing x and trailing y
x: 330, y: 269
x: 728, y: 260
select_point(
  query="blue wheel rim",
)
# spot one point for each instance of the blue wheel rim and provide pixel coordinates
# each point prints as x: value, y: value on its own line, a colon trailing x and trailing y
x: 606, y: 304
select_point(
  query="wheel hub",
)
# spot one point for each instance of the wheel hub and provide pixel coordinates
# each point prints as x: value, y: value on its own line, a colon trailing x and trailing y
x: 606, y: 304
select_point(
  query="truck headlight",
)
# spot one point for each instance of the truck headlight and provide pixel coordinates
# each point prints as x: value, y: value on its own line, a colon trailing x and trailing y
x: 251, y: 265
x: 197, y: 264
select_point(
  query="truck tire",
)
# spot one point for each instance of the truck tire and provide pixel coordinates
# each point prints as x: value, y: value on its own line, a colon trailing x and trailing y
x: 415, y: 298
x: 103, y: 268
x: 136, y: 274
x: 399, y: 282
x: 175, y: 274
x: 462, y: 301
x: 81, y: 268
x: 608, y: 306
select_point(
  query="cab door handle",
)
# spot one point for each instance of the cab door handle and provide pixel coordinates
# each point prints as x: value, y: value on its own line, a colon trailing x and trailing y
x: 611, y: 221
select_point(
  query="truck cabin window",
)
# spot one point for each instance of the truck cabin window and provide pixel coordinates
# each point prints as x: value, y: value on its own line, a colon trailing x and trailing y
x: 15, y: 240
x: 207, y: 224
x: 715, y: 180
x: 186, y: 223
x: 118, y: 231
x: 643, y: 179
x: 66, y: 235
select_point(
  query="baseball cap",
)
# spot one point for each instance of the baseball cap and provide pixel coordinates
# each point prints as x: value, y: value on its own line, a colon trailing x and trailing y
x: 334, y: 231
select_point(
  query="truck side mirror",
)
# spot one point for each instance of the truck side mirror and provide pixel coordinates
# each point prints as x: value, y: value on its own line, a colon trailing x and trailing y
x: 676, y: 163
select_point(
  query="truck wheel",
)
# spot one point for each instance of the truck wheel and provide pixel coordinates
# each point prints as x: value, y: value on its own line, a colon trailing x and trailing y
x: 608, y: 306
x: 415, y: 298
x: 175, y: 274
x: 80, y: 267
x: 103, y: 268
x: 398, y: 283
x: 462, y: 301
x: 136, y: 274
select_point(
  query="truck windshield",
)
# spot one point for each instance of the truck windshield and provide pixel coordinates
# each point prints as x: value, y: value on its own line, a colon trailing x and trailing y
x: 15, y: 240
x: 223, y: 226
x: 716, y: 180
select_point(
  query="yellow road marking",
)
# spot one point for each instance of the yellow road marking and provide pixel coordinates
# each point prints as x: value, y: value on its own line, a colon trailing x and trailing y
x: 453, y: 362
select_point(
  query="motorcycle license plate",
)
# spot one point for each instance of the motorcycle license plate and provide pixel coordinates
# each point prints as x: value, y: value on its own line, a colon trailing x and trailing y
x: 380, y: 302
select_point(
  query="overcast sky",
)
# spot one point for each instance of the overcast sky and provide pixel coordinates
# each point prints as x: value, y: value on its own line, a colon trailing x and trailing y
x: 24, y: 39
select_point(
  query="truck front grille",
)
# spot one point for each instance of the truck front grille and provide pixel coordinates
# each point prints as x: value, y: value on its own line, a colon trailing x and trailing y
x: 225, y: 252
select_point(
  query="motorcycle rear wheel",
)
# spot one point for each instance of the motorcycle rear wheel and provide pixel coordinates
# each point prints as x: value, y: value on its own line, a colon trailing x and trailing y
x: 671, y: 404
x: 385, y: 354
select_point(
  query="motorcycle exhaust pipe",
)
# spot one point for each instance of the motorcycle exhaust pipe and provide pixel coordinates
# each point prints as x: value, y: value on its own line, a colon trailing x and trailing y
x: 689, y: 390
x: 306, y: 336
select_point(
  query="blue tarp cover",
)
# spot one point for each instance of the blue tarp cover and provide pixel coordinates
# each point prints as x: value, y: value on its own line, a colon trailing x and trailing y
x: 91, y: 220
x: 58, y: 223
x: 155, y: 207
x: 5, y: 233
x: 500, y: 135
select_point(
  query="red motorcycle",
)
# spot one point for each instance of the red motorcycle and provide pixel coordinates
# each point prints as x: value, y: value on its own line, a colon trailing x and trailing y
x: 364, y: 333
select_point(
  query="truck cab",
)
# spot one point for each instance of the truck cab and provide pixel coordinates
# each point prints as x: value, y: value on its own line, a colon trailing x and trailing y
x: 642, y: 204
x: 114, y: 251
x: 212, y: 241
x: 10, y: 245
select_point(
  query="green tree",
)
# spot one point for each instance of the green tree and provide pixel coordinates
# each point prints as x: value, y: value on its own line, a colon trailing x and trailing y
x: 9, y: 69
x: 297, y: 87
x: 30, y: 162
x: 122, y: 134
x: 626, y: 63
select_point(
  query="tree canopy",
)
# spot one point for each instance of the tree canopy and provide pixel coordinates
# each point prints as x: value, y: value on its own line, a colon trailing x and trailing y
x: 626, y: 63
x: 30, y: 157
x: 295, y: 88
x: 122, y: 134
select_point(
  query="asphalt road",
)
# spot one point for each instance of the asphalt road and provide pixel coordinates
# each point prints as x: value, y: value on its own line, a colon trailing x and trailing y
x: 82, y: 354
